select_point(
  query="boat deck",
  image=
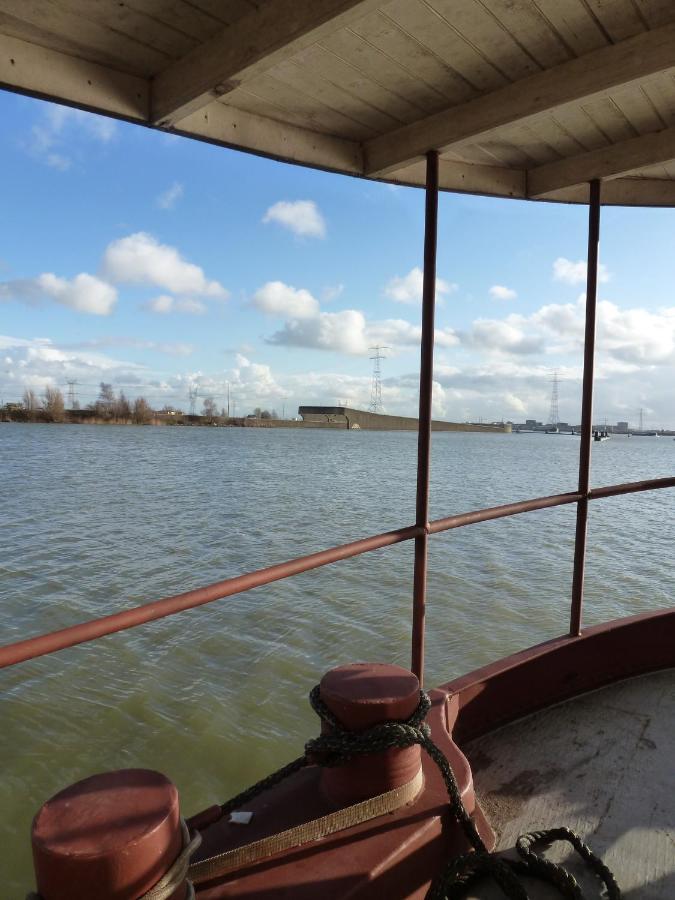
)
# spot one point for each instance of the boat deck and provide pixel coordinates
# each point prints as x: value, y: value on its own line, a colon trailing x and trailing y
x: 603, y: 765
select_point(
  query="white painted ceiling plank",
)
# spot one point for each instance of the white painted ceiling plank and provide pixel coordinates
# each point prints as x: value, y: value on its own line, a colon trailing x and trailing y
x: 607, y: 162
x: 49, y: 73
x: 592, y: 76
x: 252, y: 45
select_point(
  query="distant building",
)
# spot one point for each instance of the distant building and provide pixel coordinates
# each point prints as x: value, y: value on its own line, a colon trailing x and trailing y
x: 621, y: 427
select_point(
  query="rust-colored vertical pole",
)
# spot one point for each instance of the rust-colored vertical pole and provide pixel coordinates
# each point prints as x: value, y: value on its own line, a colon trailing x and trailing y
x: 424, y: 429
x: 586, y: 408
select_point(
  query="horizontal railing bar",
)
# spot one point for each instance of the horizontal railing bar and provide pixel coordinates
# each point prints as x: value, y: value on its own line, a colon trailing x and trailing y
x: 630, y: 487
x: 43, y: 644
x: 499, y: 512
x: 159, y: 609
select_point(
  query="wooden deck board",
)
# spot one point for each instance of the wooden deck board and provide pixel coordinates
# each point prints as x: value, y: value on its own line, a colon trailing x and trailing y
x: 602, y: 765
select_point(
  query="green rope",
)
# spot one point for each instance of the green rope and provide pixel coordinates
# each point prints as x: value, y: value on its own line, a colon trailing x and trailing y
x: 340, y: 745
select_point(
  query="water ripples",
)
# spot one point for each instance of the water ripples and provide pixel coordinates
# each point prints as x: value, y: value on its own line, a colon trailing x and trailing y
x: 97, y: 519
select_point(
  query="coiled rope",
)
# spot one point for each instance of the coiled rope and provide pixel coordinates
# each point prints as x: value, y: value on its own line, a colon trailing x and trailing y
x: 339, y: 746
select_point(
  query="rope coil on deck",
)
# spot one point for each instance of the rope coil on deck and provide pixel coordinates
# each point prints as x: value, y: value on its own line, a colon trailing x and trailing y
x: 339, y: 746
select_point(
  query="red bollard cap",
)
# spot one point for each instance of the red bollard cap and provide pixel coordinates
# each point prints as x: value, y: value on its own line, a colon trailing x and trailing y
x: 112, y: 836
x: 361, y: 695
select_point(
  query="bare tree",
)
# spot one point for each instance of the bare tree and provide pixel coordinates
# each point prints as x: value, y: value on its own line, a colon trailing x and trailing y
x: 142, y: 412
x: 106, y: 401
x: 53, y: 404
x: 210, y: 409
x: 121, y: 407
x: 30, y: 400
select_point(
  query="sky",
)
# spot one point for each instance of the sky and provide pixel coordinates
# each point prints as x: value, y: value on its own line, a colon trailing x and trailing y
x: 166, y: 266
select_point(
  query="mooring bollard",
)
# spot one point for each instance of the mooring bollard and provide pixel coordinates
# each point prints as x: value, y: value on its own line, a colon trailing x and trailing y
x: 361, y: 695
x: 112, y: 836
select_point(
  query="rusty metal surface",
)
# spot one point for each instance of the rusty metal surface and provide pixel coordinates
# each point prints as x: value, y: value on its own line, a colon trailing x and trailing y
x: 500, y: 512
x: 586, y: 409
x: 424, y: 428
x: 149, y: 612
x: 392, y: 856
x: 361, y: 695
x: 111, y: 835
x: 557, y: 670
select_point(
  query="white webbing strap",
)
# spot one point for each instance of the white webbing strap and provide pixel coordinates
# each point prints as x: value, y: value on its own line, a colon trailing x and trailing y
x: 215, y: 866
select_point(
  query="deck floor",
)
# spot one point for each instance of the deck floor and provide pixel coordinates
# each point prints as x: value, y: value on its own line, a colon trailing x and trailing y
x: 603, y: 765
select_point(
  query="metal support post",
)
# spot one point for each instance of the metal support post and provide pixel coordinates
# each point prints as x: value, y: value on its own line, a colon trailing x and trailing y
x: 424, y: 432
x: 586, y: 409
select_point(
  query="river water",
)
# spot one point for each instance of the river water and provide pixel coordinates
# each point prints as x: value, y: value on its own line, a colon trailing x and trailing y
x: 94, y: 519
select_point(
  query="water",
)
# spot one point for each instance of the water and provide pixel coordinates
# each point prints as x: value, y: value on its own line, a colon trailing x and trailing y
x: 94, y: 519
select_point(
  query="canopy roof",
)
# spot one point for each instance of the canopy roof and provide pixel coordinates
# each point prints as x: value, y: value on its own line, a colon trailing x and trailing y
x: 523, y: 98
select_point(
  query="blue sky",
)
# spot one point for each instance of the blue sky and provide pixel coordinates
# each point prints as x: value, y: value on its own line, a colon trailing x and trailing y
x: 161, y: 264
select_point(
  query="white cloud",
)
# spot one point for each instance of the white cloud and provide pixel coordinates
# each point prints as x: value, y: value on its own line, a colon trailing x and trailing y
x: 331, y: 292
x: 52, y: 139
x: 408, y: 288
x: 342, y: 332
x: 283, y: 300
x: 84, y: 293
x: 176, y: 348
x: 500, y: 292
x: 141, y: 259
x: 504, y: 336
x: 575, y: 272
x: 302, y: 217
x: 40, y: 362
x: 350, y: 332
x: 168, y: 198
x: 165, y: 303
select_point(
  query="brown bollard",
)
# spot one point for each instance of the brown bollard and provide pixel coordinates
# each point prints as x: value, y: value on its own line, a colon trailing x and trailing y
x: 361, y: 695
x: 112, y: 836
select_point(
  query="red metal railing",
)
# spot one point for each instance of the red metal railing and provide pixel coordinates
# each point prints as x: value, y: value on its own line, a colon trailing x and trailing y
x: 420, y: 531
x: 44, y: 644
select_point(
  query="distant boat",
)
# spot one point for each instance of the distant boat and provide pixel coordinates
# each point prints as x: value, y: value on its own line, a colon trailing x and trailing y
x: 600, y: 436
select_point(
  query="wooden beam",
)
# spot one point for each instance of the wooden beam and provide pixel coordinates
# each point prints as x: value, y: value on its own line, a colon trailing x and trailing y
x: 251, y: 45
x: 623, y: 192
x: 466, y: 178
x: 605, y: 162
x: 230, y: 127
x: 590, y: 75
x: 39, y: 72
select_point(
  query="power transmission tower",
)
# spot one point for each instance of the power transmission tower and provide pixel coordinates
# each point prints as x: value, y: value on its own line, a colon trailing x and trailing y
x: 554, y: 414
x: 376, y: 386
x: 72, y: 397
x: 642, y: 427
x: 192, y: 395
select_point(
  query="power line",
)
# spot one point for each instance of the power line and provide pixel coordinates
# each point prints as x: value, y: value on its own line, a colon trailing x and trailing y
x: 193, y: 391
x: 72, y: 397
x: 376, y: 387
x: 554, y: 414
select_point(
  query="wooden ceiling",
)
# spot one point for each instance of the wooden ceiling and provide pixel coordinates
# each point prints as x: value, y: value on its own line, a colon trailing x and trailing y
x: 523, y: 98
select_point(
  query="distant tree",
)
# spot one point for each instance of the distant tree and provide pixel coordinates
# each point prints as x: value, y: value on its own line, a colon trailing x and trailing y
x: 30, y: 400
x: 106, y: 401
x: 210, y: 409
x: 121, y: 407
x: 257, y: 412
x: 265, y: 414
x: 53, y: 405
x: 142, y: 412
